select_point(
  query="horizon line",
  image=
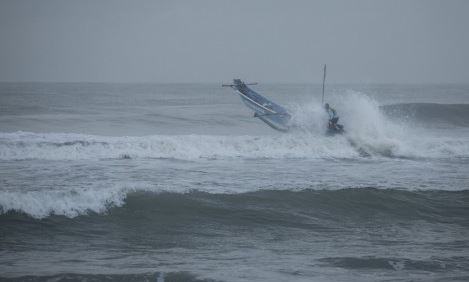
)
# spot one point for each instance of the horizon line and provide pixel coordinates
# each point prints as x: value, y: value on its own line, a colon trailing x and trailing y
x: 221, y: 82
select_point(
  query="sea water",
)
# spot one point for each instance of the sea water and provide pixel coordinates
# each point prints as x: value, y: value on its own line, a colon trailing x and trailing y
x: 178, y: 182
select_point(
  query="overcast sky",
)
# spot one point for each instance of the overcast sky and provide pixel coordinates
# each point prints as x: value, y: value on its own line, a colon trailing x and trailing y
x: 215, y: 41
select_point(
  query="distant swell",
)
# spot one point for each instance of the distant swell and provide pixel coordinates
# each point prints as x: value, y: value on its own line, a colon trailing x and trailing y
x: 293, y: 208
x: 397, y: 264
x: 139, y: 277
x: 451, y: 114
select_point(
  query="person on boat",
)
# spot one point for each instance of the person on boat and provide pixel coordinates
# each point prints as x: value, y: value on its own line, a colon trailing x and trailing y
x: 333, y: 117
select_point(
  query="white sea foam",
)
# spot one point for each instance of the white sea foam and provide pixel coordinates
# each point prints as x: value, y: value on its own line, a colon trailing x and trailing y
x: 377, y: 137
x: 21, y: 145
x: 40, y: 204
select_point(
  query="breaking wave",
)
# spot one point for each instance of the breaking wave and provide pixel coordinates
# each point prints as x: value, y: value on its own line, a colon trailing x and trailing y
x: 375, y: 141
x: 40, y: 204
x: 371, y: 130
x: 54, y: 146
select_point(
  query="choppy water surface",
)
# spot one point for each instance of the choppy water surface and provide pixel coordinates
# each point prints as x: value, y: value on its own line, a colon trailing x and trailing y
x: 142, y: 182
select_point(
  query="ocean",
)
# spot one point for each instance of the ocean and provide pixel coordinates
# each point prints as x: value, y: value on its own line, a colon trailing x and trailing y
x: 179, y: 182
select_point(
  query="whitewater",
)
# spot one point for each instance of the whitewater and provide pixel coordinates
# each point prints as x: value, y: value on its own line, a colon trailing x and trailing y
x: 172, y: 182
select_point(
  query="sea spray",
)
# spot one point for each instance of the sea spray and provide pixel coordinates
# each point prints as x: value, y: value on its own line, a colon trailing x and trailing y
x: 368, y: 129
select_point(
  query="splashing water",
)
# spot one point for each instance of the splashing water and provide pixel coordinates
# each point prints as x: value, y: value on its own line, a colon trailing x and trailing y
x: 369, y: 130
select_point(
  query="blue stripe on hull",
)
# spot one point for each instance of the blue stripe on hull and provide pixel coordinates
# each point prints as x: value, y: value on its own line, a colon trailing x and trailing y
x: 272, y: 114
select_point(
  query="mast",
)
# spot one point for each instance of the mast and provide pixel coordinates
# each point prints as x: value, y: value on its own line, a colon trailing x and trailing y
x: 323, y: 84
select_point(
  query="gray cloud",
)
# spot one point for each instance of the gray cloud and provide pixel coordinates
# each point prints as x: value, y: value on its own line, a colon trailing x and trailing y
x: 213, y: 41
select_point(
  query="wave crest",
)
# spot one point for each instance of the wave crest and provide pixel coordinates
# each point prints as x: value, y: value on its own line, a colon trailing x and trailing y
x: 343, y: 204
x: 40, y: 204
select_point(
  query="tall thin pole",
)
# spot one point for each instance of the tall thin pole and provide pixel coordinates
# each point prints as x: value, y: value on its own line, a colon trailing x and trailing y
x: 323, y: 84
